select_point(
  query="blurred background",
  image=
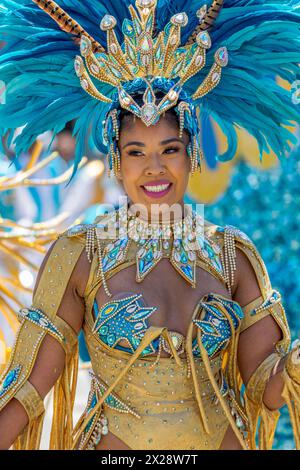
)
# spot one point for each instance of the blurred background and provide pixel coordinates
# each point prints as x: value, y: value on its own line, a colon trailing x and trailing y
x: 259, y: 196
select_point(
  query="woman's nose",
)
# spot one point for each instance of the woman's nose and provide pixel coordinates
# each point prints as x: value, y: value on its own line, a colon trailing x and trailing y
x: 155, y: 166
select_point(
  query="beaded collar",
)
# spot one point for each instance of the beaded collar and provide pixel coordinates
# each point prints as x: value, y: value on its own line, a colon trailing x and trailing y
x: 182, y: 242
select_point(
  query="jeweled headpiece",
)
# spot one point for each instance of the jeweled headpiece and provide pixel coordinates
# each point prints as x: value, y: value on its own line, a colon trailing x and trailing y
x: 146, y: 62
x: 160, y: 48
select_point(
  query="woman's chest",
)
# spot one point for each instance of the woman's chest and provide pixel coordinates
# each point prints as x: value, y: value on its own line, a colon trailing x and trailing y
x: 164, y: 300
x: 171, y: 299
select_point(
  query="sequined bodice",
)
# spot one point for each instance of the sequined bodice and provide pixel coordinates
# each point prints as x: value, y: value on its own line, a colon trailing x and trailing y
x: 125, y: 320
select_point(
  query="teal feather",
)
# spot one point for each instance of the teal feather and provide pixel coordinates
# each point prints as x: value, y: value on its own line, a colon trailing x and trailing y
x: 43, y: 92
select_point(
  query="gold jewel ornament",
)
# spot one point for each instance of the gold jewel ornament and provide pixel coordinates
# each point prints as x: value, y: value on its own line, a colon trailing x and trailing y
x: 143, y: 64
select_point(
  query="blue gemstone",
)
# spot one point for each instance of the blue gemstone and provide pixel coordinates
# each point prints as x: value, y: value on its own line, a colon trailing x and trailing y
x: 149, y: 23
x: 183, y: 258
x: 187, y: 270
x: 34, y: 316
x: 9, y: 378
x: 138, y: 27
x: 127, y: 28
x: 141, y: 265
x: 111, y: 339
x: 165, y: 104
x: 207, y: 328
x: 94, y: 402
x: 149, y: 256
x: 103, y: 330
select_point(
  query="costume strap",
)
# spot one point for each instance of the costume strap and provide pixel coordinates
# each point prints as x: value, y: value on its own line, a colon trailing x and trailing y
x: 151, y: 334
x: 231, y: 367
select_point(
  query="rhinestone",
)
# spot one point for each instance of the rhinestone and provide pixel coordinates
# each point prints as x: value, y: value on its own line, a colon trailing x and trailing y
x: 173, y: 40
x: 148, y: 112
x: 104, y: 430
x: 199, y: 60
x: 145, y: 60
x: 84, y: 84
x: 144, y: 3
x: 146, y: 45
x: 201, y: 12
x: 108, y: 22
x: 141, y: 252
x: 191, y: 256
x: 215, y: 77
x: 175, y: 341
x: 94, y: 68
x: 221, y: 56
x: 113, y: 48
x: 126, y: 100
x: 78, y: 69
x: 85, y: 46
x: 203, y: 39
x: 43, y: 322
x: 172, y: 95
x: 180, y: 19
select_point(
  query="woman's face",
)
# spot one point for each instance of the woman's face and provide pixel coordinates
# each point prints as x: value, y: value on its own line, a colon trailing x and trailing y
x: 154, y: 162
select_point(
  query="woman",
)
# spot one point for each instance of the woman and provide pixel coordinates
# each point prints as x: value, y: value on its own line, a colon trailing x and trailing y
x: 171, y: 308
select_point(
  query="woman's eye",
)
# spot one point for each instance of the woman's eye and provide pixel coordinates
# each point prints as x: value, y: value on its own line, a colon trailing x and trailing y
x: 171, y: 150
x: 135, y: 153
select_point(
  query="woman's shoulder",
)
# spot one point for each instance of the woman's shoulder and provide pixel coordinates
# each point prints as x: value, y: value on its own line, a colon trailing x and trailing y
x: 228, y: 235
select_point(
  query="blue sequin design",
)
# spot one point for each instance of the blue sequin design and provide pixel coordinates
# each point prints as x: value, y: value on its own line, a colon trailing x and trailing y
x: 9, y: 380
x: 215, y: 327
x: 126, y: 319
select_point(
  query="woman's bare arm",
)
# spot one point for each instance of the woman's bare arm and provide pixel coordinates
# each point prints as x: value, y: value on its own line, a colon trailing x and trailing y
x: 258, y: 341
x: 50, y: 360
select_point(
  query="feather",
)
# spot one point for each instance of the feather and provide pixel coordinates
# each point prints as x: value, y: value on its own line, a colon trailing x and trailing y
x: 43, y: 92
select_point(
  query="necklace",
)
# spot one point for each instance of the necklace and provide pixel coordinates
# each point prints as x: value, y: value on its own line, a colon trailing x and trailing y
x: 180, y: 242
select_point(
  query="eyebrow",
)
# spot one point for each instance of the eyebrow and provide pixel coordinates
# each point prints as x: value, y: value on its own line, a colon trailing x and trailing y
x: 163, y: 142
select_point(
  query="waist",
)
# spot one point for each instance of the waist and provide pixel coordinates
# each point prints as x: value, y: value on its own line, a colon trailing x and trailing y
x: 148, y: 378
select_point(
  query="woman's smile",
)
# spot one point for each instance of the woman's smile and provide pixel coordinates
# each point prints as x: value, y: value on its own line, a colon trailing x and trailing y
x: 157, y: 189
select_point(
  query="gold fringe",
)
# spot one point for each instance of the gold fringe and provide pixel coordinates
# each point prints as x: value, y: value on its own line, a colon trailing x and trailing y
x: 30, y: 438
x: 256, y: 409
x: 291, y: 394
x: 212, y: 379
x: 63, y: 404
x: 189, y: 350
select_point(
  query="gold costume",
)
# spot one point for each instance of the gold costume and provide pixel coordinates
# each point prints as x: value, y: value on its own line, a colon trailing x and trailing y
x: 184, y: 401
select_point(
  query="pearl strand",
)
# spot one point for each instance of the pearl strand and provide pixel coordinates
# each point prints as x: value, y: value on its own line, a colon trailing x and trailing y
x: 100, y: 272
x: 158, y: 354
x: 229, y: 257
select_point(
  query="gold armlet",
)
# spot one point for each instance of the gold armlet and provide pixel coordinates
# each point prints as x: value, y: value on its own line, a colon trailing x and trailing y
x: 29, y: 398
x: 57, y: 327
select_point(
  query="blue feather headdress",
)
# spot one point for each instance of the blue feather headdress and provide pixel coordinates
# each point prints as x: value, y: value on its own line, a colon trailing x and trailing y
x: 43, y: 92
